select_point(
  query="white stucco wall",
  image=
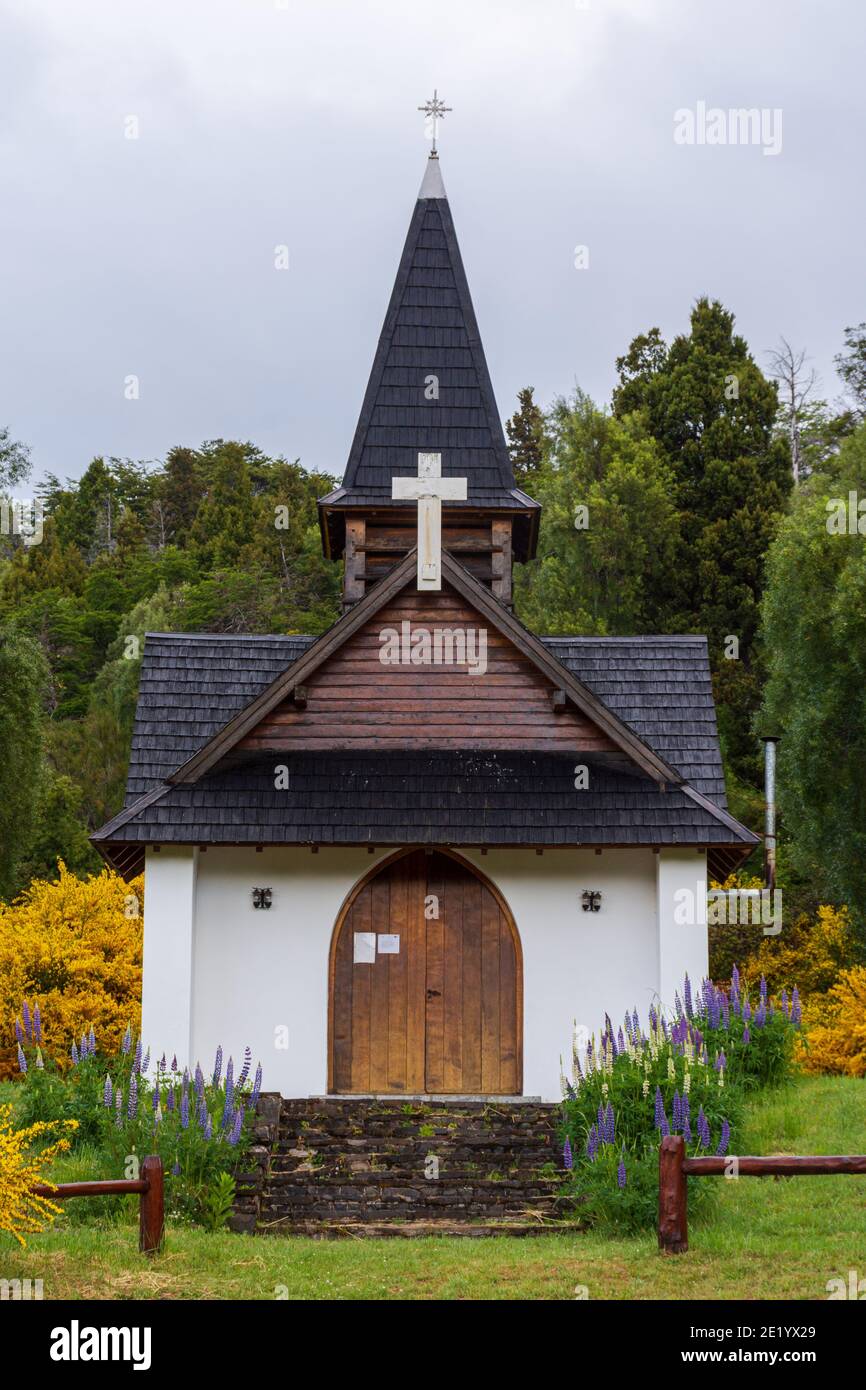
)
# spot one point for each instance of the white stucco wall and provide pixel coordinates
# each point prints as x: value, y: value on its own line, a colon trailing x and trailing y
x: 261, y: 977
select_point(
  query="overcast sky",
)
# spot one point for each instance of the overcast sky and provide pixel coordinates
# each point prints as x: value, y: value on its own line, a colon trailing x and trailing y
x: 292, y: 122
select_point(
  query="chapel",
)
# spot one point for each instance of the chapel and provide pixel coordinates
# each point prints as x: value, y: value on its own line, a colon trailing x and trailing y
x: 409, y: 856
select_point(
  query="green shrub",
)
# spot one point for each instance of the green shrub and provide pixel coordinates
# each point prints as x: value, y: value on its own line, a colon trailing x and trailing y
x: 125, y: 1110
x: 686, y: 1077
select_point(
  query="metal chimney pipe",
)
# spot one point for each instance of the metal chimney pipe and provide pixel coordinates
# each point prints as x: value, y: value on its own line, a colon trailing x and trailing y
x: 770, y: 811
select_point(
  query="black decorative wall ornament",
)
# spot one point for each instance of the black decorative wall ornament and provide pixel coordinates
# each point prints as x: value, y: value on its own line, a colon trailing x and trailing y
x: 262, y: 897
x: 591, y: 901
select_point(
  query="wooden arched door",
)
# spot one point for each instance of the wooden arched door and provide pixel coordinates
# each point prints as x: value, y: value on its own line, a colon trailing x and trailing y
x: 436, y: 1006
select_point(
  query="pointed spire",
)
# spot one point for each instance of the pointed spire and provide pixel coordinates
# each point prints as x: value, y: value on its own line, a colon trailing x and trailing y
x: 431, y: 184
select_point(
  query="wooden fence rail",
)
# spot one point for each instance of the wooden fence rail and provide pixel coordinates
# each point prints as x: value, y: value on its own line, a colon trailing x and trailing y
x: 675, y: 1169
x: 149, y: 1186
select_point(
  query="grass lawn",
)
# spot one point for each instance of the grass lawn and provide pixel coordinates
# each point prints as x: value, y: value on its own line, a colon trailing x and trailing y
x: 768, y: 1238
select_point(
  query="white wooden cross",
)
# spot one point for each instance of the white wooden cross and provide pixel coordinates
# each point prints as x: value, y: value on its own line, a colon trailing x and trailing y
x: 428, y: 490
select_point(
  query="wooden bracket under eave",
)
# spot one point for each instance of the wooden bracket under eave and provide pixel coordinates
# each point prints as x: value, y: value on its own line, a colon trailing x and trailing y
x: 558, y: 701
x: 299, y: 696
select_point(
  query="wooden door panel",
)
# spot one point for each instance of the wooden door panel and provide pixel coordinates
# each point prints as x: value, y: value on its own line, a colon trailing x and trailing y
x: 442, y: 1015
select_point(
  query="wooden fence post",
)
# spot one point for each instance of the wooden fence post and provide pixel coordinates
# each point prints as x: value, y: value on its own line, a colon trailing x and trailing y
x: 673, y: 1197
x: 152, y: 1219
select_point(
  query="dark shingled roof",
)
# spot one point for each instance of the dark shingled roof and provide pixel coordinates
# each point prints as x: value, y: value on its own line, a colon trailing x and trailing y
x: 192, y: 684
x: 430, y: 329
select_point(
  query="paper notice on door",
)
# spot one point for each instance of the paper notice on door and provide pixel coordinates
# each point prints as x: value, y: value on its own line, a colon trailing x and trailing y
x: 365, y: 947
x: 389, y: 945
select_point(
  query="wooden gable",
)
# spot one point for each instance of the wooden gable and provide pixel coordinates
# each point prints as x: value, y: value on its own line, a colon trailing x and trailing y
x: 399, y: 683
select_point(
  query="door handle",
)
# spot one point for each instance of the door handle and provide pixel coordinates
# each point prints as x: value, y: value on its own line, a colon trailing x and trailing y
x: 434, y: 994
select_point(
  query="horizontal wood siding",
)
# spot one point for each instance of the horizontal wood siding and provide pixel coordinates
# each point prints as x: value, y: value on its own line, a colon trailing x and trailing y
x: 354, y: 702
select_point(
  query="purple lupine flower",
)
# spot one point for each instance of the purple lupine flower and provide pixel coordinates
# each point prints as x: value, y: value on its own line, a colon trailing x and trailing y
x: 37, y: 1024
x: 724, y: 1140
x: 230, y: 1082
x: 132, y: 1109
x: 747, y: 1037
x: 635, y: 1025
x: 146, y: 1063
x: 609, y: 1124
x: 199, y: 1082
x: 660, y: 1108
x: 22, y: 1060
x: 217, y: 1067
x: 169, y: 1099
x: 174, y: 1062
x: 28, y: 1026
x: 257, y: 1085
x: 620, y: 1041
x: 665, y: 1128
x: 85, y: 1047
x: 175, y: 1168
x: 92, y: 1040
x: 723, y: 1004
x: 761, y: 1014
x: 678, y: 1004
x: 202, y: 1115
x: 136, y: 1062
x: 184, y: 1108
x: 19, y: 1032
x: 107, y: 1092
x: 687, y: 993
x: 162, y: 1062
x: 676, y: 1113
x: 719, y: 1062
x: 784, y: 1002
x: 763, y: 988
x: 703, y: 1128
x: 653, y: 1017
x: 39, y: 1062
x: 592, y: 1144
x: 687, y: 1129
x: 245, y: 1069
x: 154, y: 1099
x: 74, y: 1054
x: 796, y: 1011
x: 118, y: 1107
x: 208, y: 1129
x: 735, y: 979
x: 747, y: 1011
x: 567, y: 1155
x: 228, y: 1117
x: 126, y: 1041
x: 620, y: 1174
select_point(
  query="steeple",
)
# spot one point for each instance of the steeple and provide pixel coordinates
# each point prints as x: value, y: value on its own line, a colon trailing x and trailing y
x: 429, y: 392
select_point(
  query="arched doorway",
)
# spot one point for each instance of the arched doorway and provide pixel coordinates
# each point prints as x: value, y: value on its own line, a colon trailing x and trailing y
x: 437, y: 1007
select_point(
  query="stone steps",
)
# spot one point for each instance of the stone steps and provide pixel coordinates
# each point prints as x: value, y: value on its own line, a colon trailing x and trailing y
x: 340, y: 1166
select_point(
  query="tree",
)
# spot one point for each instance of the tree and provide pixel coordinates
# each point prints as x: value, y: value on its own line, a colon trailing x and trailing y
x: 796, y: 385
x: 14, y: 460
x: 608, y: 527
x: 528, y: 443
x: 23, y: 675
x: 814, y: 639
x: 713, y: 413
x: 851, y: 366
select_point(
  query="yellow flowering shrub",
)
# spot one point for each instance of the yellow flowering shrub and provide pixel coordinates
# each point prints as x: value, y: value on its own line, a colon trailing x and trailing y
x: 73, y: 947
x: 22, y: 1211
x: 807, y: 953
x: 834, y: 1028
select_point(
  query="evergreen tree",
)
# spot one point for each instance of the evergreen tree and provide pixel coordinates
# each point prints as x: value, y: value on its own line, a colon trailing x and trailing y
x: 527, y: 439
x: 22, y: 681
x: 713, y: 413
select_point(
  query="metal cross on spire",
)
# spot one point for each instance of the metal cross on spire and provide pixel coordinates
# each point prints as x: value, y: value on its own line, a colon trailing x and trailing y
x: 434, y: 110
